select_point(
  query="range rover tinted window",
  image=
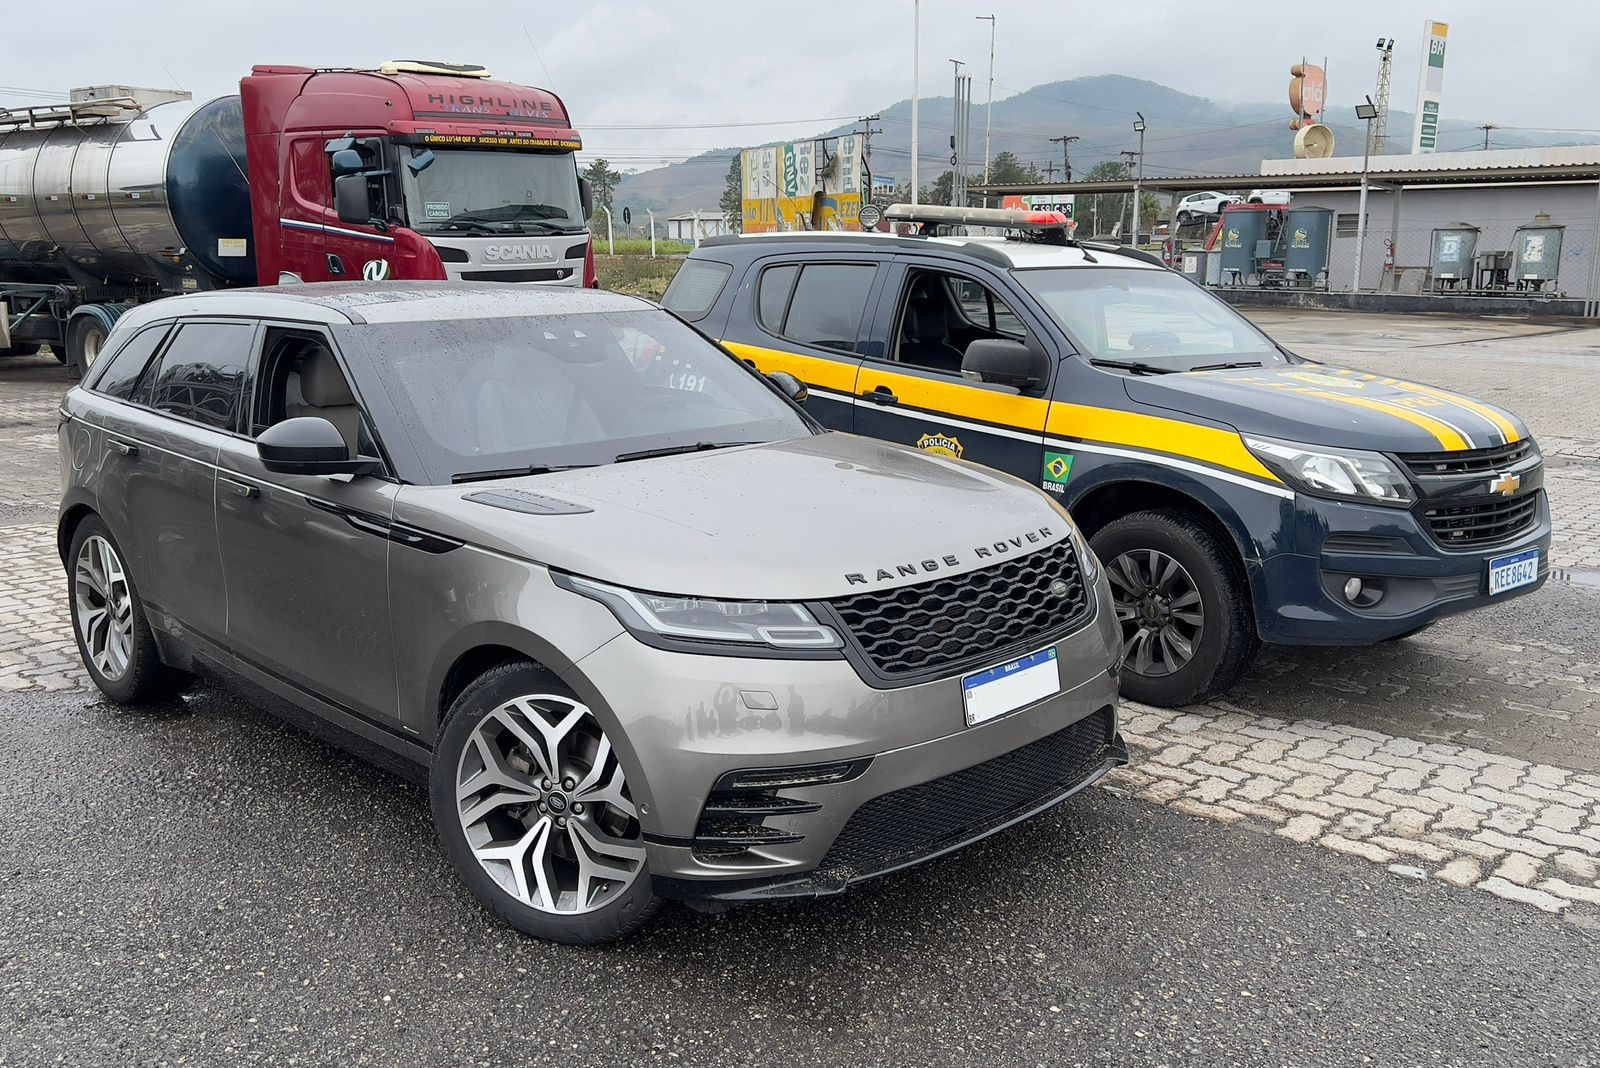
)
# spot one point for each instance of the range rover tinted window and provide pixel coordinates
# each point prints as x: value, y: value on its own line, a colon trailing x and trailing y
x: 201, y: 375
x: 121, y: 373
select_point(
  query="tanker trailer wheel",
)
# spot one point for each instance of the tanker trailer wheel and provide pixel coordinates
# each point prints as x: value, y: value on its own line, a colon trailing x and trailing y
x: 86, y: 335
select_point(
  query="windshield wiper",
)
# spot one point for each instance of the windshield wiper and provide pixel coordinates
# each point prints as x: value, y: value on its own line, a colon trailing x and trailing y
x: 471, y: 224
x: 1226, y: 366
x: 1136, y: 367
x: 513, y: 472
x: 674, y: 450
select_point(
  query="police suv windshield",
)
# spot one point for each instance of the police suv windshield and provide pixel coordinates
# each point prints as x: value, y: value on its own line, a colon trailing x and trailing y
x: 1146, y: 321
x: 482, y: 398
x: 466, y: 190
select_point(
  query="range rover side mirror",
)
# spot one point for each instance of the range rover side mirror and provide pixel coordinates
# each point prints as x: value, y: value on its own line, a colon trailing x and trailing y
x: 1006, y: 363
x: 790, y: 386
x: 350, y: 198
x: 309, y: 445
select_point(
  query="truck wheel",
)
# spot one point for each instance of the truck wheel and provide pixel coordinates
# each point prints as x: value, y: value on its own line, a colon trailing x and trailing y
x: 85, y: 337
x: 532, y: 809
x: 1182, y: 604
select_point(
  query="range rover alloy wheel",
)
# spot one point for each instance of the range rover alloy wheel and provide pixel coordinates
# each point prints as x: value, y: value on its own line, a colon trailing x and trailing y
x: 1182, y: 602
x: 108, y: 620
x: 533, y: 808
x: 102, y: 608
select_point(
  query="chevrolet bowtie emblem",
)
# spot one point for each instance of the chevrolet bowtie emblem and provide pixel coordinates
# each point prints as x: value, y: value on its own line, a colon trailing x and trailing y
x: 1506, y: 484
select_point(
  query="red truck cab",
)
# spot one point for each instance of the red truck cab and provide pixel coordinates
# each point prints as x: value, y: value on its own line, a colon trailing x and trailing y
x: 413, y: 171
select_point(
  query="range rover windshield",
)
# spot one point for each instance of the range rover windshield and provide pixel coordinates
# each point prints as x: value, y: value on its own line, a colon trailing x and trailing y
x: 1147, y: 322
x: 469, y: 190
x: 478, y: 399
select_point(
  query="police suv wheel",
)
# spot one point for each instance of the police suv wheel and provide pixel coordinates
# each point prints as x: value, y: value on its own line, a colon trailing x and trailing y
x: 1181, y: 601
x: 114, y: 637
x: 532, y: 808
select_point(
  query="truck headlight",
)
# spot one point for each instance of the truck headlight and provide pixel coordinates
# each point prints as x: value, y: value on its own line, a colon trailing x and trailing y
x: 773, y: 624
x: 1334, y: 472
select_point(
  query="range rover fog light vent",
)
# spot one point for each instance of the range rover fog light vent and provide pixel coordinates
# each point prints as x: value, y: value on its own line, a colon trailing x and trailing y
x: 776, y: 778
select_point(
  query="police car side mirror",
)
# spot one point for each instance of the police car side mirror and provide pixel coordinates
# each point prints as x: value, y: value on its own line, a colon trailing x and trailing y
x: 790, y: 386
x: 1005, y: 363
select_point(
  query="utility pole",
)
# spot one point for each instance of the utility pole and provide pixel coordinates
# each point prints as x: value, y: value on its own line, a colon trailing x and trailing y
x: 866, y: 132
x: 1050, y: 171
x: 958, y: 139
x: 1380, y: 125
x: 1066, y: 153
x: 1138, y: 175
x: 1129, y: 155
x: 988, y: 120
x: 916, y: 79
x: 1486, y: 127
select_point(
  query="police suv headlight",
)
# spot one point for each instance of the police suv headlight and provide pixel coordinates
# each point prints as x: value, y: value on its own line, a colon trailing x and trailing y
x: 1334, y: 472
x: 772, y: 624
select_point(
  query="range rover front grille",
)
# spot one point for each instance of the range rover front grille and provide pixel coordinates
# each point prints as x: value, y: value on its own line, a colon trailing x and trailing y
x: 1468, y: 462
x: 971, y: 619
x: 1484, y: 522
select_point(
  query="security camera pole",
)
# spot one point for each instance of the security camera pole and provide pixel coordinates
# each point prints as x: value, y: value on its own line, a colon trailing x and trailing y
x: 1367, y: 112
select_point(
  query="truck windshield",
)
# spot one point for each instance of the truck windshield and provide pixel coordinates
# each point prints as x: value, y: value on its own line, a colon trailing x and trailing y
x: 1152, y: 320
x: 490, y: 191
x: 483, y: 398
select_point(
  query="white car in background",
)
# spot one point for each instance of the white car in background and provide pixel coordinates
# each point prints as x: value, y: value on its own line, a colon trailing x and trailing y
x: 1268, y: 196
x: 1197, y: 205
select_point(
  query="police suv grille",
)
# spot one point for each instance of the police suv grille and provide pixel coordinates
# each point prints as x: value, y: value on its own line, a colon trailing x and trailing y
x: 967, y: 619
x: 1483, y: 523
x: 1472, y: 461
x: 900, y: 827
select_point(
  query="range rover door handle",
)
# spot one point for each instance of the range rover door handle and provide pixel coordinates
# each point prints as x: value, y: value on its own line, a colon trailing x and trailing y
x: 881, y: 395
x: 243, y: 489
x: 126, y: 448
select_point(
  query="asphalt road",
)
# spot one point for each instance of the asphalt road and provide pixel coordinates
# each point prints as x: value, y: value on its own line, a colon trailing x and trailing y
x: 205, y: 884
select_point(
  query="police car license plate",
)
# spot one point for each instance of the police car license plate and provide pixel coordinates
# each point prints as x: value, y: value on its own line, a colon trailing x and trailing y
x: 1007, y: 687
x: 1509, y: 572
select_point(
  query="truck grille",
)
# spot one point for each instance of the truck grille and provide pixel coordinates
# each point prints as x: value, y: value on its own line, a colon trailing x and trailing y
x: 906, y: 825
x: 1483, y: 523
x: 1470, y: 462
x: 967, y: 619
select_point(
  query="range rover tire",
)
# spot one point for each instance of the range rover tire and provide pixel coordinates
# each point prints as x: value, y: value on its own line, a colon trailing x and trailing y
x: 1181, y: 601
x: 531, y: 805
x: 114, y: 638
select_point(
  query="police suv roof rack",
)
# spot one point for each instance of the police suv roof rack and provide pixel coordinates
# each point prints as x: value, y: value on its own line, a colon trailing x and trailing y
x: 1051, y: 227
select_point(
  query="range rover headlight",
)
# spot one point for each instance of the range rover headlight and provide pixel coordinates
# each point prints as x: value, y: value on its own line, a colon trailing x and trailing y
x: 1334, y: 472
x: 1088, y: 563
x: 774, y: 624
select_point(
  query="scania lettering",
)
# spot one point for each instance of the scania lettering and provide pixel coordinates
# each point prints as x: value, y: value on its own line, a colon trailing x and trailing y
x: 413, y: 170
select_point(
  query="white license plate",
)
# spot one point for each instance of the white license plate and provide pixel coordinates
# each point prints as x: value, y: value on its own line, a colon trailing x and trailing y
x: 1007, y: 687
x: 1509, y: 572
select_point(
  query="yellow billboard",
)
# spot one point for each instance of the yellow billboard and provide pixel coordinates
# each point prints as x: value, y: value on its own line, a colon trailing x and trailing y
x: 803, y: 185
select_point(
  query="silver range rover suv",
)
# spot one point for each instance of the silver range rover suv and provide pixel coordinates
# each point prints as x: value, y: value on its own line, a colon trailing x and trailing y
x: 646, y: 628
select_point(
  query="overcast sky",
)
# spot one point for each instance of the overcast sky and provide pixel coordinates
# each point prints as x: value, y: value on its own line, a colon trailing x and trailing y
x: 648, y: 82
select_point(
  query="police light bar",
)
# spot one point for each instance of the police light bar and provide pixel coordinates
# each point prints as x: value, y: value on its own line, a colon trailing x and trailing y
x: 1006, y: 218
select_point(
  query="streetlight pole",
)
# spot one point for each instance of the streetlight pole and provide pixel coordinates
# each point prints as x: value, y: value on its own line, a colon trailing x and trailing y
x: 1138, y: 176
x: 1367, y: 111
x: 916, y: 90
x: 988, y: 120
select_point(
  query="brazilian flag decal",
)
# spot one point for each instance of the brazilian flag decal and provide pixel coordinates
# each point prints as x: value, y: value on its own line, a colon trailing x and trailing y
x: 1057, y: 466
